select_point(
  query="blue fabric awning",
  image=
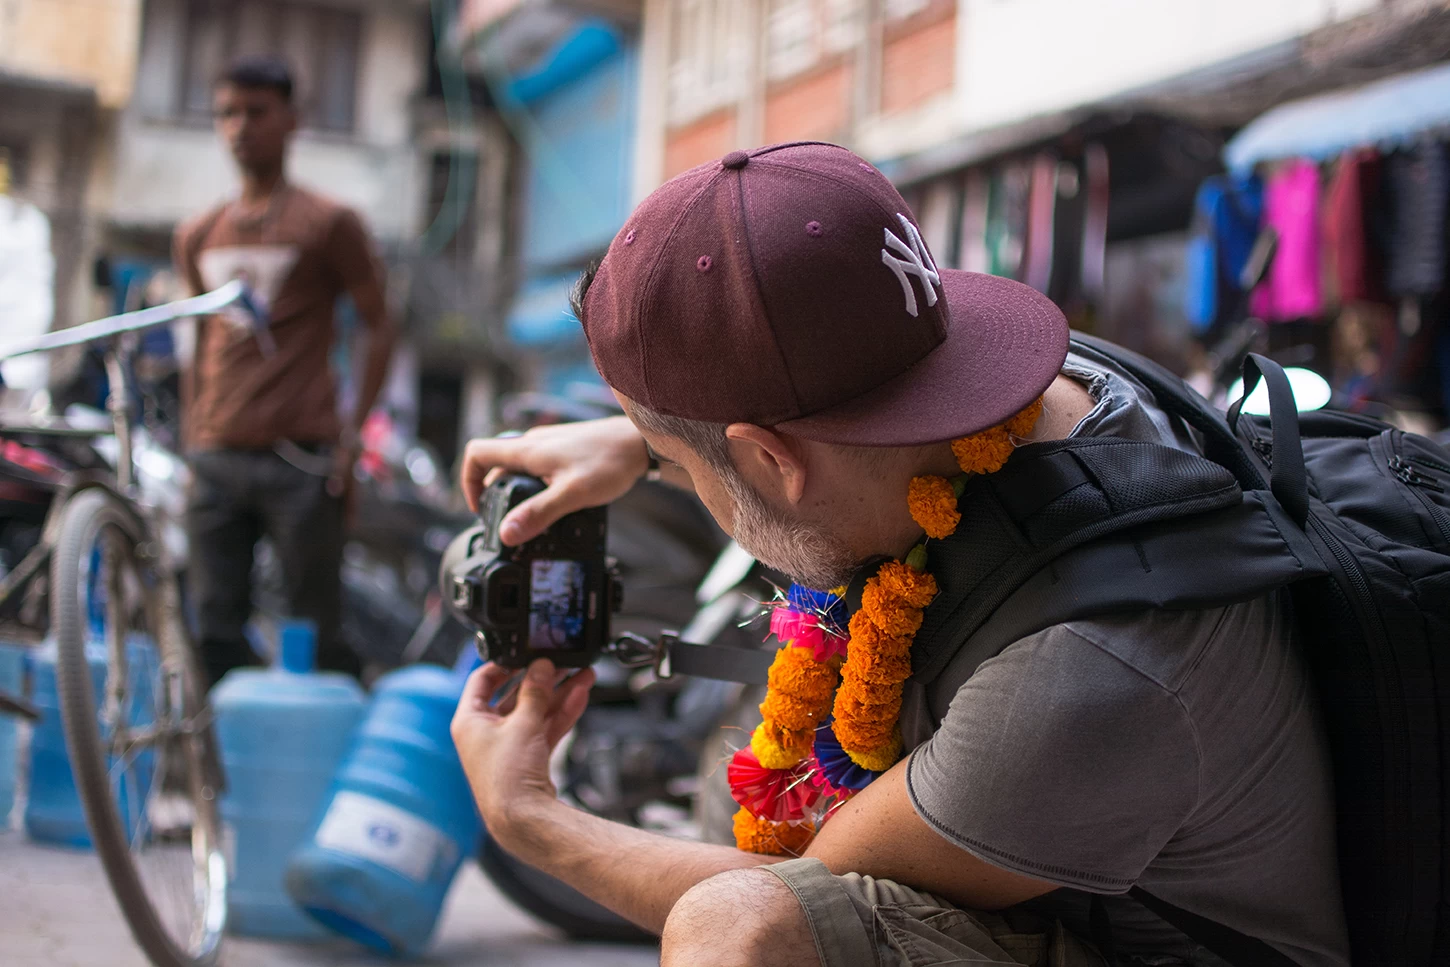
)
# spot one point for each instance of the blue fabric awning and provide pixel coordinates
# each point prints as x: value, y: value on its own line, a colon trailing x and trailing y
x: 576, y: 54
x: 540, y: 317
x: 1387, y: 113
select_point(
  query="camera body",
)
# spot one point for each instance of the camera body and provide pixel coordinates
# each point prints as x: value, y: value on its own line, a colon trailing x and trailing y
x: 550, y: 597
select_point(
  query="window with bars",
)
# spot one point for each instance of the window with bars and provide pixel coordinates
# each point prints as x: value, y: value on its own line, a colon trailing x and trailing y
x: 458, y: 214
x: 319, y: 43
x: 901, y: 9
x: 709, y: 56
x: 800, y: 33
x: 790, y: 37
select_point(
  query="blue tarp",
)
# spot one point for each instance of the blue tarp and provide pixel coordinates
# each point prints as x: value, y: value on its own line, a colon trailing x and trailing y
x: 540, y: 317
x: 574, y: 56
x: 1388, y: 113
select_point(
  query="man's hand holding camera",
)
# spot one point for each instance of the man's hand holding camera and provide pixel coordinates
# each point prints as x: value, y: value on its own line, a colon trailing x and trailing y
x: 584, y: 464
x: 505, y: 751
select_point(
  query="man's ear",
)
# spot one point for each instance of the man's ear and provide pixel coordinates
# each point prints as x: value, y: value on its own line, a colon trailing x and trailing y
x: 774, y: 462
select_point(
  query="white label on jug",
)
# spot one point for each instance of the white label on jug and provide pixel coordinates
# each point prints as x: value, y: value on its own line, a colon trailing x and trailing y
x: 381, y: 833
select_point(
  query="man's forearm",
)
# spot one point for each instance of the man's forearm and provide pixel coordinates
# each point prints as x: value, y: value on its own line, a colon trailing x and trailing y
x: 638, y: 874
x: 379, y: 352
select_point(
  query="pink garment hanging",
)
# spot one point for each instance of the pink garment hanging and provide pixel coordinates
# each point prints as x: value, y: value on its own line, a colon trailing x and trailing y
x: 1291, y: 207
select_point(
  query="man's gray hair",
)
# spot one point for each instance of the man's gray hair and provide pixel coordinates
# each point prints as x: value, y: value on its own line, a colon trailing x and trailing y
x: 705, y: 438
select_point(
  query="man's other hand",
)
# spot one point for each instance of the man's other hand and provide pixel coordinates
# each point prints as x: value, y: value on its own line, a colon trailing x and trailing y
x: 585, y: 465
x: 505, y: 751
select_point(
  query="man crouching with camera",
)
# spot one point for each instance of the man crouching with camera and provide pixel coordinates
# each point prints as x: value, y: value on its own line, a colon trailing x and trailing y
x: 784, y: 344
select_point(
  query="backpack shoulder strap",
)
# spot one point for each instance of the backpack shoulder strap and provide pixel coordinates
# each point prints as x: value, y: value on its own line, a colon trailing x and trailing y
x: 1208, y: 559
x: 1234, y: 947
x: 1179, y: 399
x: 1050, y: 499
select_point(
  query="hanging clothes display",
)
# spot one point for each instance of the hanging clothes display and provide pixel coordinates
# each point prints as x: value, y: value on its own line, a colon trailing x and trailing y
x: 1041, y: 204
x: 1064, y: 284
x: 1417, y: 193
x: 973, y: 255
x: 1226, y: 216
x: 1095, y: 226
x: 1291, y: 208
x: 1353, y: 257
x: 1007, y: 218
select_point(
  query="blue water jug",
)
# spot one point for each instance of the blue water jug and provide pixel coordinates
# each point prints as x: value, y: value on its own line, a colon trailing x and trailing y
x: 282, y: 733
x: 12, y: 665
x: 53, y: 811
x: 399, y: 822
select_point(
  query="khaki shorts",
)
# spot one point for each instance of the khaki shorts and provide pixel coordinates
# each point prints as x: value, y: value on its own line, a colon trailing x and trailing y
x: 860, y: 921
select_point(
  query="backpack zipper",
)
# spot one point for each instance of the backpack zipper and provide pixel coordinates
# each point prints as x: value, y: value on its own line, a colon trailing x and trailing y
x: 1434, y: 464
x: 1264, y: 449
x: 1418, y: 482
x: 1411, y: 474
x: 1362, y: 593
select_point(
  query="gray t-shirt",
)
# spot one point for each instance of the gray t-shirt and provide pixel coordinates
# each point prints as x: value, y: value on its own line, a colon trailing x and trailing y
x: 1179, y: 751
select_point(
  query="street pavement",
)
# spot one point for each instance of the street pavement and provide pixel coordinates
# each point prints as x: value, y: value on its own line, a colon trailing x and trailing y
x: 57, y: 911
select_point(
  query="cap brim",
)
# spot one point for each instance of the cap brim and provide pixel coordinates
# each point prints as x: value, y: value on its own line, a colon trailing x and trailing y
x: 1005, y: 344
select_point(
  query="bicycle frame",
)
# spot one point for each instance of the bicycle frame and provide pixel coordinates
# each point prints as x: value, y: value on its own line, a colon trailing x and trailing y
x: 121, y: 331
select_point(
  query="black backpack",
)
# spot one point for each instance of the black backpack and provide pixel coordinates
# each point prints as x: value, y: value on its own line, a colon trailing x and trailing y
x: 1348, y: 513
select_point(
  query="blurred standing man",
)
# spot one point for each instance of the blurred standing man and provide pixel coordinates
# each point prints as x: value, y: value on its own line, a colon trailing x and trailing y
x: 270, y: 453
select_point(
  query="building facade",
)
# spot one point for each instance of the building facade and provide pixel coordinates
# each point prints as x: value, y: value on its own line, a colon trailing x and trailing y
x: 121, y: 148
x: 566, y: 81
x: 892, y: 78
x: 1054, y: 141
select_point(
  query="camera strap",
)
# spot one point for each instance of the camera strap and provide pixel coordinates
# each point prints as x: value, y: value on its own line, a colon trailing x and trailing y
x: 749, y: 666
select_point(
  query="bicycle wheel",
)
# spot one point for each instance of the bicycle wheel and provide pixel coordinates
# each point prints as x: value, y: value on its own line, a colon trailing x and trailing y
x: 140, y: 751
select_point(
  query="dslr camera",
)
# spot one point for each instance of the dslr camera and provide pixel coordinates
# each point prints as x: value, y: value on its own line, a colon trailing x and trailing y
x: 551, y: 597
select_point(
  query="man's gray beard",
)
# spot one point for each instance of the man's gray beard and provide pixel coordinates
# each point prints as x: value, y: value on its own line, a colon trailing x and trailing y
x: 799, y: 550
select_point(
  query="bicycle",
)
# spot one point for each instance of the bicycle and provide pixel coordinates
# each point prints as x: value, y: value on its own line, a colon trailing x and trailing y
x: 148, y: 778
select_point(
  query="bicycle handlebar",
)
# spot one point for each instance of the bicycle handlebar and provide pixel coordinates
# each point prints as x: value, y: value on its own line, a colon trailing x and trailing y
x: 234, y: 292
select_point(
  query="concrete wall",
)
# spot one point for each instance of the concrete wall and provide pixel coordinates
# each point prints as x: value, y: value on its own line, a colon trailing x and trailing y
x: 166, y: 170
x: 91, y: 42
x: 57, y: 133
x: 1031, y: 57
x: 1034, y: 56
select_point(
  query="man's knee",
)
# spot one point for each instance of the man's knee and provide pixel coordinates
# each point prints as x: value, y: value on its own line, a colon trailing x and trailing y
x: 735, y: 919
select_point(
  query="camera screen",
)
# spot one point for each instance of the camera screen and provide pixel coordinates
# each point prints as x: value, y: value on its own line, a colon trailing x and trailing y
x: 556, y: 604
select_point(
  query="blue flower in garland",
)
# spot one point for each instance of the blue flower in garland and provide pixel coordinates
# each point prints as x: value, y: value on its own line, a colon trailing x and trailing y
x: 838, y: 768
x: 828, y: 607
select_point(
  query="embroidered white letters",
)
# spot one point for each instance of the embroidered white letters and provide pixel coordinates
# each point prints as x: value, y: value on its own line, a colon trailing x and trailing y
x: 915, y: 260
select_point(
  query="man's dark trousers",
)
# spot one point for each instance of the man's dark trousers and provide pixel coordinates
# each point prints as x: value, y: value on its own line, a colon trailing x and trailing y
x: 238, y: 497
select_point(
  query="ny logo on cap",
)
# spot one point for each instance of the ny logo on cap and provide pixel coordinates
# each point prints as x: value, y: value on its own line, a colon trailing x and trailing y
x: 915, y: 260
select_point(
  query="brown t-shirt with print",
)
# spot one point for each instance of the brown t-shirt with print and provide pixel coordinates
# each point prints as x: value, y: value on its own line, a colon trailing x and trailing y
x: 251, y: 388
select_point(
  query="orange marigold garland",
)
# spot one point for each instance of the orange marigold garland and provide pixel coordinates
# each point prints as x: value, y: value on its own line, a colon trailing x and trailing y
x: 865, y: 738
x: 797, y: 698
x: 766, y: 836
x: 933, y: 503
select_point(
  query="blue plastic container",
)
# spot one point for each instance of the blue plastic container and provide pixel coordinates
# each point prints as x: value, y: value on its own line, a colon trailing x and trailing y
x: 53, y: 811
x: 12, y: 666
x: 282, y: 733
x: 399, y: 822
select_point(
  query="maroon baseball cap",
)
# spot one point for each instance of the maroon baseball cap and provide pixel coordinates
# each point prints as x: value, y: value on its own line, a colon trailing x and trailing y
x: 789, y: 286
